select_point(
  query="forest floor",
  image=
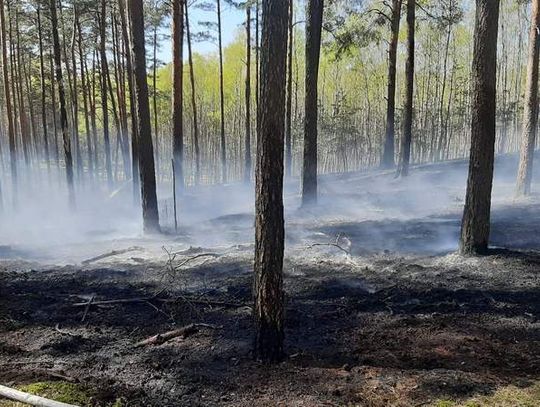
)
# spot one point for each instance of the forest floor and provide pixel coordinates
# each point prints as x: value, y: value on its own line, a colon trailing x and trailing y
x: 380, y: 309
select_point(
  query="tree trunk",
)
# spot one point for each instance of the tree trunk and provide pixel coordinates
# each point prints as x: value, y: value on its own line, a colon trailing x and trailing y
x: 178, y: 100
x: 288, y: 118
x: 9, y: 110
x: 269, y: 222
x: 62, y: 101
x: 406, y: 137
x: 146, y: 150
x: 388, y: 154
x: 104, y: 91
x: 530, y: 116
x: 43, y: 92
x: 247, y: 144
x: 476, y: 218
x: 221, y: 99
x: 132, y: 104
x: 314, y: 19
x: 193, y: 102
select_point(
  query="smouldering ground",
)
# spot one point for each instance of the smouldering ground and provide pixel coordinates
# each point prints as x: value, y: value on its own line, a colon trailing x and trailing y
x: 400, y: 320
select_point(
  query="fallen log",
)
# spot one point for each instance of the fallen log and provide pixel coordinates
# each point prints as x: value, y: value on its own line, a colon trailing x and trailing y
x: 31, y: 399
x: 183, y: 333
x: 110, y: 254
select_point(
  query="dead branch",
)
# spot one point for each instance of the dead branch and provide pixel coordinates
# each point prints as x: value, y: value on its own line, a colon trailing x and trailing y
x: 65, y: 333
x: 183, y: 333
x: 331, y: 245
x: 195, y: 258
x: 165, y: 300
x: 87, y: 308
x: 23, y: 397
x: 111, y: 254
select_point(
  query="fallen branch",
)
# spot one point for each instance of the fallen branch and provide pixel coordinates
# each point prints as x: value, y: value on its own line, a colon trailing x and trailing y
x: 111, y: 254
x: 66, y: 333
x: 165, y: 300
x: 87, y: 308
x: 330, y: 245
x: 23, y: 397
x: 183, y: 333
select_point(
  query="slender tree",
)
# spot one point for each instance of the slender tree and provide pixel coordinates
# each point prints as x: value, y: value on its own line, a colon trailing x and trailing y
x: 178, y: 86
x: 193, y: 101
x: 288, y: 118
x: 9, y: 110
x: 530, y: 116
x: 62, y: 101
x: 389, y: 139
x: 132, y: 103
x: 104, y: 91
x: 43, y: 91
x: 146, y: 150
x: 221, y: 97
x: 476, y: 218
x: 269, y: 222
x: 406, y: 137
x: 314, y: 18
x: 247, y: 141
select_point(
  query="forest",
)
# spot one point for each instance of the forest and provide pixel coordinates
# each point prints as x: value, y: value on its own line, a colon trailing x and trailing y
x: 269, y: 203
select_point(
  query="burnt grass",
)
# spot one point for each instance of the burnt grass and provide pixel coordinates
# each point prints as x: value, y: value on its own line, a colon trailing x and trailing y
x: 402, y: 321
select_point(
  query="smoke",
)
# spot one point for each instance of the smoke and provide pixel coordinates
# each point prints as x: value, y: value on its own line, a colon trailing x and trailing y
x: 375, y: 211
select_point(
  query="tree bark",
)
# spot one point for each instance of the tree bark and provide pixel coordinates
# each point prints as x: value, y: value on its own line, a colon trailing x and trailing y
x: 476, y: 218
x: 146, y: 150
x: 406, y: 137
x: 43, y: 92
x: 9, y: 110
x: 389, y: 140
x: 530, y: 116
x: 221, y: 99
x: 314, y: 19
x: 247, y: 141
x: 288, y: 118
x: 62, y: 100
x: 269, y: 222
x: 178, y: 100
x: 132, y: 105
x: 193, y: 102
x: 104, y: 92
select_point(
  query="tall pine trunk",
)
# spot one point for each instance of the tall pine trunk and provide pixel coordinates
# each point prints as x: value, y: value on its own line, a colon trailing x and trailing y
x: 193, y: 102
x: 62, y: 101
x: 269, y: 222
x: 406, y: 137
x: 221, y: 99
x: 314, y: 19
x: 390, y: 134
x: 178, y: 100
x: 104, y: 92
x: 146, y: 149
x: 247, y: 140
x: 43, y: 92
x: 530, y: 116
x: 132, y: 103
x: 288, y: 118
x: 9, y: 110
x: 476, y: 217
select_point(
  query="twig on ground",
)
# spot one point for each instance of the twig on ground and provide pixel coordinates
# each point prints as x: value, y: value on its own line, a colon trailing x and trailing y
x: 65, y: 333
x: 330, y: 245
x: 165, y: 300
x: 87, y: 308
x: 183, y: 333
x: 111, y: 254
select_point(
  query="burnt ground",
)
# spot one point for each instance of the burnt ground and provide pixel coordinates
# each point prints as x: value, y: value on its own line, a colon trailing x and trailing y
x: 400, y: 321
